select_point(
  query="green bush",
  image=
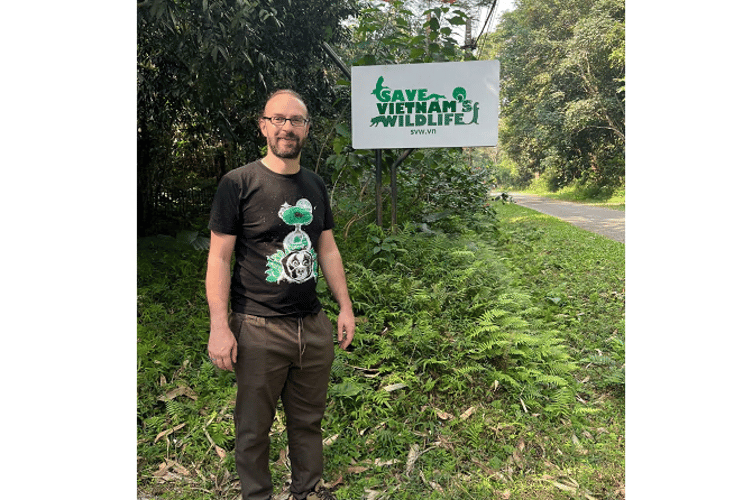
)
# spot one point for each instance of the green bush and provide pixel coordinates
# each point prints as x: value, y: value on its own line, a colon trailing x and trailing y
x: 509, y: 321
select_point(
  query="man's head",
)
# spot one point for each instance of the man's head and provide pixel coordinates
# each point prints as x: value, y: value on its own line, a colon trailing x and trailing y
x: 285, y: 139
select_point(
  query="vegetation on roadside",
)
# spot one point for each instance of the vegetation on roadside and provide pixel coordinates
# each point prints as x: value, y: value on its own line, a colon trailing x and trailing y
x: 488, y: 363
x: 489, y: 359
x: 607, y: 196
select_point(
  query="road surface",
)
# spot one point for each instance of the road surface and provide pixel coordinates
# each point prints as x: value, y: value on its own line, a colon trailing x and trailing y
x: 600, y: 220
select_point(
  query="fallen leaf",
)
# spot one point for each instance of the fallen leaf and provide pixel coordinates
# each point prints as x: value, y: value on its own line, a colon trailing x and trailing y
x: 564, y: 487
x: 523, y: 405
x: 180, y: 469
x: 444, y: 415
x: 436, y: 486
x: 382, y: 463
x: 282, y: 456
x: 372, y: 494
x: 506, y: 495
x: 467, y: 413
x: 220, y: 452
x: 357, y: 469
x: 394, y: 387
x: 168, y: 432
x: 412, y: 457
x: 163, y: 471
x: 330, y: 440
x: 179, y: 391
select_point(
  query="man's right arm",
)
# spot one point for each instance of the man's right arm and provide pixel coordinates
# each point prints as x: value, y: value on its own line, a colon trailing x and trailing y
x: 222, y: 346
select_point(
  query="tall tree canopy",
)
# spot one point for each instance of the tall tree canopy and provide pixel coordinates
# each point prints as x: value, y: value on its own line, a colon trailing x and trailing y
x: 563, y: 89
x: 204, y: 70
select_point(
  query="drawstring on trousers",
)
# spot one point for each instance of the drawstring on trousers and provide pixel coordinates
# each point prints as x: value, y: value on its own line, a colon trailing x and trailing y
x: 301, y: 344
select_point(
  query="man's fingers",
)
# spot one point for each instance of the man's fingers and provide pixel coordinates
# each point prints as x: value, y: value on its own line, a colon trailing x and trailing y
x: 224, y: 363
x: 345, y: 336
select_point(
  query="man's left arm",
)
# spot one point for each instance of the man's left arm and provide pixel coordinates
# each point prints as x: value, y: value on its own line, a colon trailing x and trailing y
x: 330, y: 261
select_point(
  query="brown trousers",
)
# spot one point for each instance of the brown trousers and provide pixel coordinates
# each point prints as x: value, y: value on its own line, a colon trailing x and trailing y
x: 283, y: 357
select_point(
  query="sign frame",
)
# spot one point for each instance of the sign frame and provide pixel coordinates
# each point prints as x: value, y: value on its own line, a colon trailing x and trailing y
x: 431, y: 105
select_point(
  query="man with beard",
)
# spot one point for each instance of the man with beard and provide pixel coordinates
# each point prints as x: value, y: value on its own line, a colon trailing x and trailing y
x: 276, y: 337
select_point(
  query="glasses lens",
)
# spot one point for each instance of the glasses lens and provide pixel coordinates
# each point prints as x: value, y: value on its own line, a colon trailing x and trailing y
x: 279, y: 121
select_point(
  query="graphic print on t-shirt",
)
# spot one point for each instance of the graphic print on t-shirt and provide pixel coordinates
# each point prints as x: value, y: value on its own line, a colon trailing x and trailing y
x: 298, y: 262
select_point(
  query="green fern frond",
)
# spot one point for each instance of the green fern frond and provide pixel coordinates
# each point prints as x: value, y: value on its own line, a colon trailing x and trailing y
x: 551, y: 380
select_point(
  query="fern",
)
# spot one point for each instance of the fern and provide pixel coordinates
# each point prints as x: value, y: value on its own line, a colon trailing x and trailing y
x: 534, y: 365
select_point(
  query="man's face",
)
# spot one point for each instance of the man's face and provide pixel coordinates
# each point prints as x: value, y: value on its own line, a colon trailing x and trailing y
x: 285, y: 141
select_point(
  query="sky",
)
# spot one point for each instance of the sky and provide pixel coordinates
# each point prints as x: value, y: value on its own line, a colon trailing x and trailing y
x: 482, y: 13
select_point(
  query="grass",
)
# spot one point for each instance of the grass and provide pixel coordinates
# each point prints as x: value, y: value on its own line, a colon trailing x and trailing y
x: 487, y: 364
x: 614, y: 198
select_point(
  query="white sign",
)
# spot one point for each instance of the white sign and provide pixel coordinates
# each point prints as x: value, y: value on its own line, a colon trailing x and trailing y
x: 453, y: 104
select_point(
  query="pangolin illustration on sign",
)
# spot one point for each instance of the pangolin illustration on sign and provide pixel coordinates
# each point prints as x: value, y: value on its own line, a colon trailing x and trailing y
x: 425, y: 105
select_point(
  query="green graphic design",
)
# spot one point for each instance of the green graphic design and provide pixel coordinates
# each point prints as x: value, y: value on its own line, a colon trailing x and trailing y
x: 419, y: 108
x: 298, y: 261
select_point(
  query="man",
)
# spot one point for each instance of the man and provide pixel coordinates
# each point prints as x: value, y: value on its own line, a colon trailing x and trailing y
x: 277, y: 219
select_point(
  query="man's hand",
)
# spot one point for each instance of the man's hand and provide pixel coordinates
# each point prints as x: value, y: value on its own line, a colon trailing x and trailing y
x: 345, y: 328
x: 223, y: 348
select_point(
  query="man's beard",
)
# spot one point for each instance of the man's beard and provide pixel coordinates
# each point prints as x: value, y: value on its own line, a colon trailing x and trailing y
x: 290, y: 151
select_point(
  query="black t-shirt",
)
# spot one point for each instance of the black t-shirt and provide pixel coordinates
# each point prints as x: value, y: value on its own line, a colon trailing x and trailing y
x: 278, y: 220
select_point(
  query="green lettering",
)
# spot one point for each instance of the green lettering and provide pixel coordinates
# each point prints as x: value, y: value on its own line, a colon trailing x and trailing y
x: 449, y: 106
x: 398, y: 96
x: 434, y: 107
x: 458, y: 119
x: 382, y: 107
x: 421, y: 107
x: 409, y: 106
x: 423, y: 95
x: 399, y: 108
x: 411, y: 94
x: 420, y: 120
x: 448, y: 118
x: 430, y: 120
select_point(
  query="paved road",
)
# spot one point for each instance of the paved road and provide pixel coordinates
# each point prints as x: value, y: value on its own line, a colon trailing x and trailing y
x: 600, y: 220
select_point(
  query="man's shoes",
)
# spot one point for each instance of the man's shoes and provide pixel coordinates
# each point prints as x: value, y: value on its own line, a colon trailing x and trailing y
x: 320, y: 492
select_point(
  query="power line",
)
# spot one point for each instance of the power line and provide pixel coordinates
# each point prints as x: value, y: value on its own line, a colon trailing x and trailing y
x: 488, y: 18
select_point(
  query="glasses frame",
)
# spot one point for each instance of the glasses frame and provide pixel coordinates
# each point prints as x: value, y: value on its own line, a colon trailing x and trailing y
x: 271, y: 119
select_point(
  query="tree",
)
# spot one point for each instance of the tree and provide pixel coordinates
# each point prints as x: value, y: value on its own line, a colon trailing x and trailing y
x: 562, y: 89
x: 204, y: 70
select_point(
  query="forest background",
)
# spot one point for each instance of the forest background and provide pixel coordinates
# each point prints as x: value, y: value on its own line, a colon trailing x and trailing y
x: 69, y: 116
x: 205, y: 68
x: 429, y: 340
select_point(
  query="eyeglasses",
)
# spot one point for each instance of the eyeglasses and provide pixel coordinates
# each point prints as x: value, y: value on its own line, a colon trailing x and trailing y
x: 279, y: 121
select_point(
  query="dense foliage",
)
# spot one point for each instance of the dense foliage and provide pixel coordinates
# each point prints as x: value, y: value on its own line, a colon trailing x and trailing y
x: 563, y: 90
x: 481, y: 359
x: 204, y: 71
x: 490, y: 342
